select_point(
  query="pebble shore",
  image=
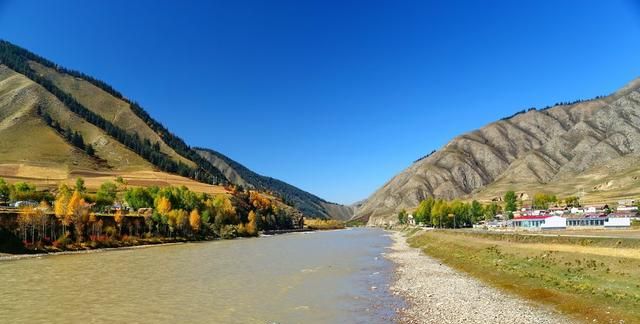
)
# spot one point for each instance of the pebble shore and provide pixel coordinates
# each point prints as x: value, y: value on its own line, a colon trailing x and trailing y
x: 436, y: 293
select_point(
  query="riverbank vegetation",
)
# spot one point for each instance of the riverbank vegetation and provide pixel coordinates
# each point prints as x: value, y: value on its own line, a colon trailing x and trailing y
x: 593, y: 279
x: 442, y: 213
x: 323, y: 224
x: 71, y: 218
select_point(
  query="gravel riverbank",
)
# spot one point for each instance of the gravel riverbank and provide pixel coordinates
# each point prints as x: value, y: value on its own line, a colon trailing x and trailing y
x: 436, y: 293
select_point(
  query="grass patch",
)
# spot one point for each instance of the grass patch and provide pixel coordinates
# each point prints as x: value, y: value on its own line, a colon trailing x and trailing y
x: 584, y: 285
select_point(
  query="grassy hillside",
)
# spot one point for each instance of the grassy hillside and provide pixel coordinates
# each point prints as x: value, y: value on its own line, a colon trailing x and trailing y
x: 57, y: 124
x: 107, y: 106
x: 21, y: 61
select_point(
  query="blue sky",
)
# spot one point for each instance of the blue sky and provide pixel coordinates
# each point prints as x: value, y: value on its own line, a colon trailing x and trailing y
x: 335, y: 96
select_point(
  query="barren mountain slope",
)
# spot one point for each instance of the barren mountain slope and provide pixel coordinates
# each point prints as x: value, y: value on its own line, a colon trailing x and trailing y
x: 538, y: 147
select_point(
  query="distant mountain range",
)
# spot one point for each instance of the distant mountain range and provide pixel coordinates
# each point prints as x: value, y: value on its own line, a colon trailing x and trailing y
x: 589, y: 149
x: 57, y: 124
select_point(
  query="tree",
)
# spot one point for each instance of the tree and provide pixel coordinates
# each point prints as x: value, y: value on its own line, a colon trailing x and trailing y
x: 402, y: 217
x: 4, y: 190
x: 106, y: 194
x: 510, y: 202
x: 163, y: 205
x: 572, y: 201
x: 138, y: 198
x: 118, y: 217
x: 80, y: 187
x: 542, y: 200
x: 76, y: 212
x: 61, y: 204
x: 252, y: 224
x: 90, y: 150
x: 22, y: 191
x: 194, y: 221
x: 423, y: 212
x: 476, y: 211
x: 491, y: 211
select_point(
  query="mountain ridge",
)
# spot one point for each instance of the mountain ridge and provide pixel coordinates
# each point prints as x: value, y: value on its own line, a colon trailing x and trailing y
x: 533, y: 149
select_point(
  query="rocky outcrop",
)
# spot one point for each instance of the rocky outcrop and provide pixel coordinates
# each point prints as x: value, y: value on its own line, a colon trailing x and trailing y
x: 534, y: 147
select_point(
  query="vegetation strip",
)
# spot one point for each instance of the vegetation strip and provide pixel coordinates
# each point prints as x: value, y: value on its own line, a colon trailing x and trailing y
x: 585, y: 285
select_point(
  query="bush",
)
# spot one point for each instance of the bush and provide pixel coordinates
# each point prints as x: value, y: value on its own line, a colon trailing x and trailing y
x: 62, y: 241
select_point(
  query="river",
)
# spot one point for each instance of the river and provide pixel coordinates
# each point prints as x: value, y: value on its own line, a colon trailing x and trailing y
x: 317, y: 277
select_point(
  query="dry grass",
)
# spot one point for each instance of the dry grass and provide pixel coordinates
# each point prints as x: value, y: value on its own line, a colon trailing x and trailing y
x: 577, y: 279
x: 49, y: 177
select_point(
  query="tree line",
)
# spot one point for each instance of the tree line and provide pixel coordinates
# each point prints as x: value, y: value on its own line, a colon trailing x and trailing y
x: 75, y: 216
x: 456, y: 213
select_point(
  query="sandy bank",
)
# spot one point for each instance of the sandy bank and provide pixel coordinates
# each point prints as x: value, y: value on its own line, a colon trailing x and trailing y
x: 436, y: 293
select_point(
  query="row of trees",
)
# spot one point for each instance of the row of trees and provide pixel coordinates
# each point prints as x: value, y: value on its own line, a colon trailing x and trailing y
x: 73, y: 137
x: 74, y: 215
x: 21, y: 191
x: 452, y: 214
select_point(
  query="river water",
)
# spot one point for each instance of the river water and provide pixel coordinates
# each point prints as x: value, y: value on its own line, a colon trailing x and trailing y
x: 318, y: 277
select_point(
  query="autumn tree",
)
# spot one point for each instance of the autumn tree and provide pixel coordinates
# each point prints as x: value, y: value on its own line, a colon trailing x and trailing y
x: 572, y: 201
x: 77, y: 213
x: 118, y: 217
x: 61, y: 204
x: 194, y: 221
x: 252, y: 224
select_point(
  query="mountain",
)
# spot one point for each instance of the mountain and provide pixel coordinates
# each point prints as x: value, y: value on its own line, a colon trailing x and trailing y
x: 308, y: 203
x: 585, y: 148
x: 57, y: 124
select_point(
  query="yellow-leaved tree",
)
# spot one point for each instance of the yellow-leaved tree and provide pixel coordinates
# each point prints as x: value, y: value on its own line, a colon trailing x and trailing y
x: 194, y: 221
x: 118, y: 217
x: 60, y: 205
x: 252, y: 224
x: 76, y: 212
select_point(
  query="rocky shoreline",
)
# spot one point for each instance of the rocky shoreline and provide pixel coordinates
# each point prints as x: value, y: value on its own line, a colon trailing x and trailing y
x: 436, y: 293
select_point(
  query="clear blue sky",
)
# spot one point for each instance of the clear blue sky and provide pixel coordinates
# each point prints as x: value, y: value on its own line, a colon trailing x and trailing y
x: 335, y: 97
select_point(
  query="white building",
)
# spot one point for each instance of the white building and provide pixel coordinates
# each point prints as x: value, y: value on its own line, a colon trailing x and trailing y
x: 617, y: 222
x: 554, y: 222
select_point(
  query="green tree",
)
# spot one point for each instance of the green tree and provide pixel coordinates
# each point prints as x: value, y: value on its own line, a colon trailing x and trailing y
x: 402, y: 217
x: 80, y: 187
x: 4, y: 190
x: 22, y: 191
x: 476, y: 211
x: 491, y: 211
x: 138, y: 198
x: 572, y: 201
x: 423, y: 213
x: 106, y: 194
x: 543, y: 200
x: 510, y: 201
